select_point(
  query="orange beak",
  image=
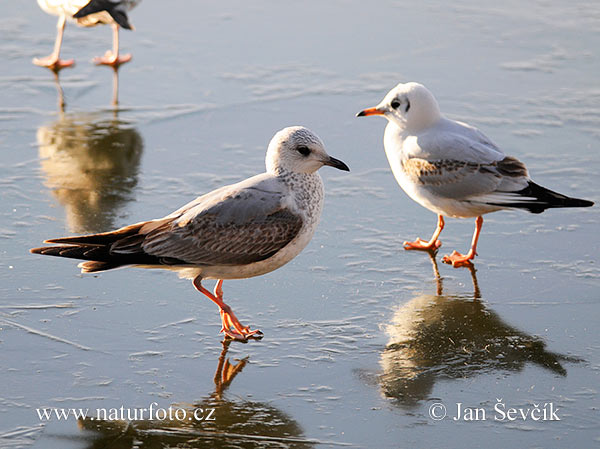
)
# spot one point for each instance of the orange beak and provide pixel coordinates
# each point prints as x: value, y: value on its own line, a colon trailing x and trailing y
x: 370, y: 111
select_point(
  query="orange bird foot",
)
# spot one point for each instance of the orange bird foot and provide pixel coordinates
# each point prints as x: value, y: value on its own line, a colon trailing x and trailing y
x: 53, y: 63
x: 230, y: 325
x: 457, y: 259
x: 233, y: 329
x: 112, y: 60
x: 423, y: 245
x: 250, y: 335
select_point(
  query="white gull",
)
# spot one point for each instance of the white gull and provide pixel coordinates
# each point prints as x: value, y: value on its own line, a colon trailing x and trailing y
x: 452, y: 168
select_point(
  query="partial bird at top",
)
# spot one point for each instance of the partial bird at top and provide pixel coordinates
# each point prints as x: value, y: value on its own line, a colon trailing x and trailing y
x: 452, y: 168
x: 235, y: 232
x: 87, y: 13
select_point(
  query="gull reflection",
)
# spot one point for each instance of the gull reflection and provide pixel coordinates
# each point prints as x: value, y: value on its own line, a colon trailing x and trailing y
x: 441, y: 336
x: 91, y: 163
x: 60, y: 93
x: 237, y: 423
x: 61, y: 101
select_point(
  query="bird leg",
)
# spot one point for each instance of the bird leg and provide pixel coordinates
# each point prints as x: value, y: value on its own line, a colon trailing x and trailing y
x: 456, y: 259
x: 112, y: 58
x: 230, y: 324
x: 53, y: 62
x: 433, y: 244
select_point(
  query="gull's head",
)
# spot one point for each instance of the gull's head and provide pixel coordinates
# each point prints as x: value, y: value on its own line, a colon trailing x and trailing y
x: 410, y: 106
x: 298, y: 149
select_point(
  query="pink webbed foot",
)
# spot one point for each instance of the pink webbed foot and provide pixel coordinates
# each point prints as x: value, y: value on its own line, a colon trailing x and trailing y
x: 457, y: 259
x: 112, y: 60
x: 233, y: 329
x: 423, y: 245
x: 433, y: 244
x: 53, y: 63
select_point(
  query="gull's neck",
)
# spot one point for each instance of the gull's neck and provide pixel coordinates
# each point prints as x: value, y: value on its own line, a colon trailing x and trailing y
x: 284, y: 172
x: 414, y: 128
x: 292, y: 176
x: 307, y: 191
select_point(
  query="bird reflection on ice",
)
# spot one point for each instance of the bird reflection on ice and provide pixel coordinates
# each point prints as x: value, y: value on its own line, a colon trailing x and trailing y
x: 435, y: 337
x: 90, y: 161
x: 61, y: 101
x: 238, y: 423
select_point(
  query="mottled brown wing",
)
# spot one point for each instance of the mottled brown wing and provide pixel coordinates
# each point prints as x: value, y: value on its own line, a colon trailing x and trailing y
x: 461, y: 179
x: 206, y: 241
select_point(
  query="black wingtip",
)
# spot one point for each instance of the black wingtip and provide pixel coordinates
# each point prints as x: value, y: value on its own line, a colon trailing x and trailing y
x: 121, y: 18
x: 583, y: 203
x: 95, y: 6
x: 544, y: 199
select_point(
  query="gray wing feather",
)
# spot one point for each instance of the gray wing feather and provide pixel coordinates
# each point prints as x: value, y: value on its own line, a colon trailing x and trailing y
x: 233, y: 225
x: 459, y: 179
x: 455, y: 141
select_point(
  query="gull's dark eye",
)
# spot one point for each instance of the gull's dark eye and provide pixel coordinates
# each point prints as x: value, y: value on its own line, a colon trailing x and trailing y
x: 395, y: 104
x: 304, y: 151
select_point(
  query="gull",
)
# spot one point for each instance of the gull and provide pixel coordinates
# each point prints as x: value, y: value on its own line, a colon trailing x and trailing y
x: 452, y: 168
x: 234, y: 232
x: 87, y: 13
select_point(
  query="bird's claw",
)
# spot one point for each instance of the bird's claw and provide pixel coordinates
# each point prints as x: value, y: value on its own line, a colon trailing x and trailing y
x: 423, y: 245
x: 244, y: 336
x: 112, y: 60
x: 457, y: 259
x: 53, y: 63
x: 233, y: 329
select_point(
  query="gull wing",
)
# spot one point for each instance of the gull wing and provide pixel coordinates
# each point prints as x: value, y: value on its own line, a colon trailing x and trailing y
x: 452, y: 140
x: 457, y: 161
x: 463, y: 180
x: 234, y: 225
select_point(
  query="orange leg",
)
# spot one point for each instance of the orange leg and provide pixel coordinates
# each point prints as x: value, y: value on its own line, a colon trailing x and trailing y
x: 53, y: 62
x: 433, y: 244
x: 112, y: 58
x: 459, y: 260
x: 230, y: 324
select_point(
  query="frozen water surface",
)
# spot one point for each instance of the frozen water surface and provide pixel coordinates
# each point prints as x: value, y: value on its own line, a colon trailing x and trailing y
x: 362, y: 339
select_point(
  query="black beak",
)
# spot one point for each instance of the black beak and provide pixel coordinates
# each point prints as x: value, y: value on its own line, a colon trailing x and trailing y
x: 336, y: 163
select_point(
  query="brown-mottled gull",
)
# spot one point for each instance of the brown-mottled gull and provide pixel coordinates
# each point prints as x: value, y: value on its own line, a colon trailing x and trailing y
x: 235, y: 232
x: 452, y: 168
